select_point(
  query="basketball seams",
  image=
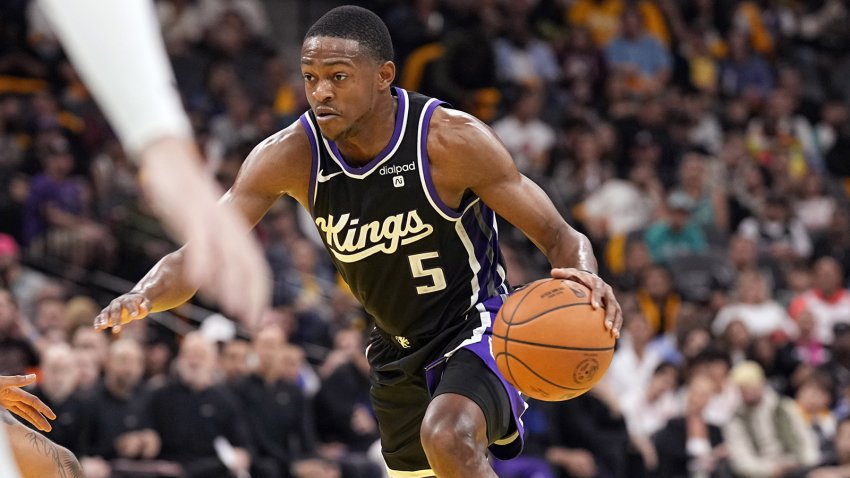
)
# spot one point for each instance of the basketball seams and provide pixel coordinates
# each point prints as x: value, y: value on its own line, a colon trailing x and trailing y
x: 535, y: 384
x: 514, y: 357
x: 541, y: 314
x: 561, y: 347
x: 508, y: 328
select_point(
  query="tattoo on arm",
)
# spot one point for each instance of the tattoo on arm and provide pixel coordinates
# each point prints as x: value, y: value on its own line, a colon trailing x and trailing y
x: 66, y: 464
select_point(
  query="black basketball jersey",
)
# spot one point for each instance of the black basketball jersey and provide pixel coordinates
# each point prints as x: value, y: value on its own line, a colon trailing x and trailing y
x: 415, y: 264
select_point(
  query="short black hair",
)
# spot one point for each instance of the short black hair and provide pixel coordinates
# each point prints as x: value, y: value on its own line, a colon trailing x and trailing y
x: 359, y: 24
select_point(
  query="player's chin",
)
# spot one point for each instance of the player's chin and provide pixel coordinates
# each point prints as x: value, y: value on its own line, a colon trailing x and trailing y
x: 332, y: 126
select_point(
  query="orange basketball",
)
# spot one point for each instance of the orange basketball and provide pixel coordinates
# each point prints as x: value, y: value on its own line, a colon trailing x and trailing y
x: 549, y: 342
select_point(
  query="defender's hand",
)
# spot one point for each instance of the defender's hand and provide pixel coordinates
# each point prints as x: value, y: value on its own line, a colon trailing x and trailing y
x: 25, y: 404
x: 601, y: 295
x: 122, y: 310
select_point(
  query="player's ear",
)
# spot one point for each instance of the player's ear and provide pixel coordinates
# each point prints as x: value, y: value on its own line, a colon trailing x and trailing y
x: 386, y: 75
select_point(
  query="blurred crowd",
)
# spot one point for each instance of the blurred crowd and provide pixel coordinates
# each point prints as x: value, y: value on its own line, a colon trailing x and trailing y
x: 702, y: 145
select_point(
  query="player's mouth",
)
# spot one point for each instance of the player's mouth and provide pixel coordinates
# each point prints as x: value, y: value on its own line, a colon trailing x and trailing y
x: 324, y: 113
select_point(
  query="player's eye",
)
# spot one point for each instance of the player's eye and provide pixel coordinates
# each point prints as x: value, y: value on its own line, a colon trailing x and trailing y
x: 307, y: 77
x: 340, y: 76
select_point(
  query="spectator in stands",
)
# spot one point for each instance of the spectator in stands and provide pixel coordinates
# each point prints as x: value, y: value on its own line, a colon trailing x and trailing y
x: 837, y: 465
x: 642, y: 58
x: 688, y: 445
x: 736, y: 339
x: 715, y: 364
x: 814, y: 207
x: 647, y: 410
x: 601, y: 18
x: 767, y: 435
x: 50, y: 322
x: 658, y: 300
x: 57, y: 389
x: 344, y: 420
x: 755, y: 308
x: 745, y: 74
x: 192, y: 414
x: 17, y: 354
x: 677, y: 236
x: 622, y: 206
x: 278, y: 413
x: 779, y: 235
x: 827, y: 300
x: 522, y: 59
x: 588, y: 437
x: 636, y: 359
x: 22, y: 281
x: 120, y: 426
x: 528, y: 138
x: 813, y: 398
x: 710, y: 211
x: 835, y: 242
x: 807, y: 346
x: 235, y: 360
x: 58, y: 213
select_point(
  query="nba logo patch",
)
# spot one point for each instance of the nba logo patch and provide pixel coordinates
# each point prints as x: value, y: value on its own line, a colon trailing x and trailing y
x: 398, y: 181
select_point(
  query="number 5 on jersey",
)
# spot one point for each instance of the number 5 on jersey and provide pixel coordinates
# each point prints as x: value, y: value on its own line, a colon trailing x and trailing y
x: 419, y: 270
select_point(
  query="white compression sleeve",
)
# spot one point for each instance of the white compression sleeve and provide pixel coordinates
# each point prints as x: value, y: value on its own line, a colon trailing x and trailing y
x: 116, y: 47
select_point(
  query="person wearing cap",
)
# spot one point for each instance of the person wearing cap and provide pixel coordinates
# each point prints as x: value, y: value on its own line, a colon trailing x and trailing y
x: 767, y: 436
x: 675, y: 236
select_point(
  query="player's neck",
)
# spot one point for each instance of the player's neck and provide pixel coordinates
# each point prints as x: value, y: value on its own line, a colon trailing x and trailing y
x: 372, y: 134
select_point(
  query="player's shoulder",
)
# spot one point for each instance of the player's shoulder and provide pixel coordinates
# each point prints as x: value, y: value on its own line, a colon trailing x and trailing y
x: 455, y: 130
x: 290, y: 144
x: 280, y: 163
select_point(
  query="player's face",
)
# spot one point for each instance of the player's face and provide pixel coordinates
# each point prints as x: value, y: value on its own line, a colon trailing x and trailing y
x: 342, y: 83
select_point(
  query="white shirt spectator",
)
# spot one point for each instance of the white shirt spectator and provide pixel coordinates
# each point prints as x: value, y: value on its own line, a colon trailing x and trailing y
x: 526, y: 141
x: 759, y: 319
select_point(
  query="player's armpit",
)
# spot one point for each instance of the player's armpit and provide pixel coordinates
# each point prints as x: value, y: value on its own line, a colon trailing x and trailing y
x: 38, y: 457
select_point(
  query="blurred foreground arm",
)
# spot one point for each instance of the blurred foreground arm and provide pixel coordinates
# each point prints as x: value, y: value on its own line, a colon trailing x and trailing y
x: 118, y: 51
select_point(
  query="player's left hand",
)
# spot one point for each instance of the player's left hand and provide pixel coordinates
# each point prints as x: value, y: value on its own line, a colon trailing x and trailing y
x: 601, y: 295
x: 25, y: 404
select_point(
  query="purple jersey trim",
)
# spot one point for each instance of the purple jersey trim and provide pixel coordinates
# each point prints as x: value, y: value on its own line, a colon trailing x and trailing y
x: 426, y: 165
x: 314, y: 157
x: 367, y: 168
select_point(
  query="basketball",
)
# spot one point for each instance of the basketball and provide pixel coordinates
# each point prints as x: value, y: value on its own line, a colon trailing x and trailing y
x: 549, y: 342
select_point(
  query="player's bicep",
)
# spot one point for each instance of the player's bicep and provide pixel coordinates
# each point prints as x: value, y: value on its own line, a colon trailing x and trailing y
x: 279, y: 165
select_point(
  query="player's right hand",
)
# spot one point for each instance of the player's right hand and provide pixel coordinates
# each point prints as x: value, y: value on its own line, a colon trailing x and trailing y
x: 122, y: 310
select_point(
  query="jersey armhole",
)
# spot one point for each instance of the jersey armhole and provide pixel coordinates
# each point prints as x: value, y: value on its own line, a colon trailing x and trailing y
x: 442, y: 208
x: 312, y: 137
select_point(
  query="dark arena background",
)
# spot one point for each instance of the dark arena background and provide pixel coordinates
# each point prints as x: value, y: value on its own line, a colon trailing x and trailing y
x: 702, y: 145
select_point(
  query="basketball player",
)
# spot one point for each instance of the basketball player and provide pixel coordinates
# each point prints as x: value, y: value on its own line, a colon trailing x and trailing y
x: 404, y: 191
x: 117, y: 49
x: 24, y: 452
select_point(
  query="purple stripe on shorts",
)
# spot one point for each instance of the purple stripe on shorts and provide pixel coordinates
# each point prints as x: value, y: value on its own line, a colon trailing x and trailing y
x: 484, y: 351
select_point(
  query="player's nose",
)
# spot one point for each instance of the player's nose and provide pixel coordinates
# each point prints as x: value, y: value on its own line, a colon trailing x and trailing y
x: 324, y: 91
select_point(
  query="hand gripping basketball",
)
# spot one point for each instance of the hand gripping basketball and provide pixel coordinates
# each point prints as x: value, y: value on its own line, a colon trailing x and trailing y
x: 550, y: 342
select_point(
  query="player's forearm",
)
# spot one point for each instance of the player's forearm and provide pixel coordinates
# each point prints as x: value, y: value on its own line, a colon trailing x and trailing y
x: 165, y: 286
x: 38, y: 457
x: 570, y: 248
